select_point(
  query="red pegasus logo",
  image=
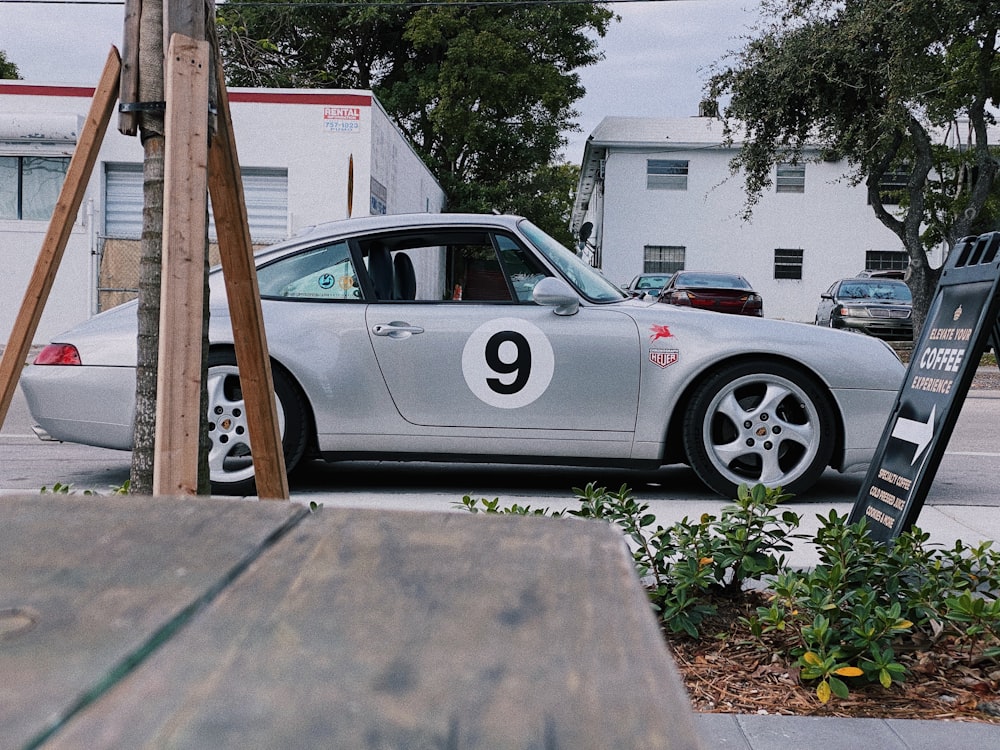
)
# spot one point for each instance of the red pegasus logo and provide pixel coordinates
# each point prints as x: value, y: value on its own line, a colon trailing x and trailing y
x: 659, y: 332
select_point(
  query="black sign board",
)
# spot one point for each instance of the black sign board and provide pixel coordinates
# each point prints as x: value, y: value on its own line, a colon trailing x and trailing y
x: 961, y: 323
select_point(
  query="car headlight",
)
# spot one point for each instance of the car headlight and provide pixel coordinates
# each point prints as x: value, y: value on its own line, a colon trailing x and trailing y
x: 853, y: 312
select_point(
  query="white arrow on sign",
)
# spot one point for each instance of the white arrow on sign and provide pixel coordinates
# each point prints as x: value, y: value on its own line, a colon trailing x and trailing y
x: 918, y: 433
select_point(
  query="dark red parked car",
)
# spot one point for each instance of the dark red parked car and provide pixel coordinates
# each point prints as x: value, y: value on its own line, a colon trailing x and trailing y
x: 722, y: 292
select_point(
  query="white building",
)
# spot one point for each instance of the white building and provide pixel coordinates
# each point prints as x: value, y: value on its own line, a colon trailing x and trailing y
x: 660, y: 197
x: 299, y: 150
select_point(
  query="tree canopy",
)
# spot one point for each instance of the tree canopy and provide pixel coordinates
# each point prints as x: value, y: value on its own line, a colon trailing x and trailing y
x: 483, y: 92
x: 7, y: 68
x: 901, y: 88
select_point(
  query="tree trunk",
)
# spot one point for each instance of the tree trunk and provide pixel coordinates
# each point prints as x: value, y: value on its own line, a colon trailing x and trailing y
x: 920, y: 277
x: 922, y: 280
x: 148, y: 341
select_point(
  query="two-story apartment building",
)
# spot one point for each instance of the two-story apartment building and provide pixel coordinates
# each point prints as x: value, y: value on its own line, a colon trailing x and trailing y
x: 306, y: 156
x: 660, y: 196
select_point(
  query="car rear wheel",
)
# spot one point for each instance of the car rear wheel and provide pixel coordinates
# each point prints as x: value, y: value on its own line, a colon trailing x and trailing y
x: 759, y: 422
x: 229, y: 458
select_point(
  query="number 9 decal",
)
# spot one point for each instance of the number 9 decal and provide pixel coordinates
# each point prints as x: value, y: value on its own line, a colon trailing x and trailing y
x: 508, y: 362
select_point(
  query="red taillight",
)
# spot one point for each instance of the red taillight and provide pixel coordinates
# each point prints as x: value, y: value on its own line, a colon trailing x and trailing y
x: 58, y: 354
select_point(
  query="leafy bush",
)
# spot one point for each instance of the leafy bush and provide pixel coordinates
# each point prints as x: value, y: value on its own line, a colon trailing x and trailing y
x: 845, y: 620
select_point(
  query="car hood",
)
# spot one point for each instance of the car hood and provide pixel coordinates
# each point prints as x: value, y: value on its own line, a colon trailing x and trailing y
x: 869, y: 302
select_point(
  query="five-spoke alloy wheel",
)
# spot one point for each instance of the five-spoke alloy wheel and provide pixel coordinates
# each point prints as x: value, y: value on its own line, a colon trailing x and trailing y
x: 229, y: 458
x: 759, y: 422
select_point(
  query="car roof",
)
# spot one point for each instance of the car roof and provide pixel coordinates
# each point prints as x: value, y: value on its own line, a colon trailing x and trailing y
x: 872, y: 280
x: 388, y: 222
x: 391, y: 221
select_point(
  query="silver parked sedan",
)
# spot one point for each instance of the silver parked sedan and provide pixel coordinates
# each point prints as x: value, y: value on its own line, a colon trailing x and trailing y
x: 464, y: 337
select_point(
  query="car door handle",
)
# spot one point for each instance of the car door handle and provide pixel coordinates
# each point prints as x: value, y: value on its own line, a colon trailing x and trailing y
x: 396, y: 329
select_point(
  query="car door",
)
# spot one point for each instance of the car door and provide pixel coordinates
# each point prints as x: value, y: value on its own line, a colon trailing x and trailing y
x: 825, y: 306
x: 472, y: 350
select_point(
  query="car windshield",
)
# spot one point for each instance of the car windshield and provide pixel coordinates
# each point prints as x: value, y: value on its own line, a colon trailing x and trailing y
x: 587, y: 280
x: 711, y: 281
x: 652, y: 282
x: 887, y: 290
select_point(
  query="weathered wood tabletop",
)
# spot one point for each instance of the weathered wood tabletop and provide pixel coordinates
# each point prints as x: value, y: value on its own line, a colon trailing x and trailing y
x: 209, y: 623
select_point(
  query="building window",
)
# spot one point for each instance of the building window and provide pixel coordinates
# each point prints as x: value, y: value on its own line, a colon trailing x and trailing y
x: 892, y: 186
x: 666, y: 174
x: 662, y: 258
x: 30, y: 185
x: 791, y: 178
x: 787, y: 263
x: 886, y: 260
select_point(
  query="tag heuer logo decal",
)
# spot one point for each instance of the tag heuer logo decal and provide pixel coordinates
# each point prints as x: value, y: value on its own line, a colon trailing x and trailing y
x: 663, y: 357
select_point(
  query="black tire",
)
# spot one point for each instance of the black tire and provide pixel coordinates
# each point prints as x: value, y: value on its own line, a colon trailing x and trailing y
x: 230, y: 465
x: 759, y: 422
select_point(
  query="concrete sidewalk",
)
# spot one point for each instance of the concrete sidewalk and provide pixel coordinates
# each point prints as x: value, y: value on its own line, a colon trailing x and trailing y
x: 756, y: 732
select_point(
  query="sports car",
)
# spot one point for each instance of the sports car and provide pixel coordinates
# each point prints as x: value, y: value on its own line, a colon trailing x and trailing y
x: 452, y: 337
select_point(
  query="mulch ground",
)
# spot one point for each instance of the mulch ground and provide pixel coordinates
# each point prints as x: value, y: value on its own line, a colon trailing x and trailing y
x: 727, y: 671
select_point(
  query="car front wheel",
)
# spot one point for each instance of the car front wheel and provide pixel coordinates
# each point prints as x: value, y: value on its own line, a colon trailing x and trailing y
x: 230, y: 463
x: 758, y: 422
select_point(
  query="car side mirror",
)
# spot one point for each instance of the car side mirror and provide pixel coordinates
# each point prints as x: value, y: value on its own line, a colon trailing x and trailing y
x: 826, y: 296
x: 553, y: 292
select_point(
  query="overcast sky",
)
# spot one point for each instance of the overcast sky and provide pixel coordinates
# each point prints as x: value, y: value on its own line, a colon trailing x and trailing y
x: 655, y: 64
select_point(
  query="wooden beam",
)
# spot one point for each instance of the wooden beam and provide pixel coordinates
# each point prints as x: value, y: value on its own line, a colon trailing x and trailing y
x: 128, y: 122
x: 185, y: 217
x: 240, y: 274
x: 67, y: 206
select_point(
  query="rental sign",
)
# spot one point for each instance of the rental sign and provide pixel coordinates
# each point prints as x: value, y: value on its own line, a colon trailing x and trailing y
x: 961, y: 323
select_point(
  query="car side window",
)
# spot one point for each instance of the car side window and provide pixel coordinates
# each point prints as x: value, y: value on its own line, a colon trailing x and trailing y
x: 476, y: 274
x: 523, y: 269
x: 447, y: 265
x: 322, y: 273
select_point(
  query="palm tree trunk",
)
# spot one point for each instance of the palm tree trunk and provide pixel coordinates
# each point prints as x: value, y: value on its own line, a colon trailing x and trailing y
x: 141, y: 477
x: 150, y: 65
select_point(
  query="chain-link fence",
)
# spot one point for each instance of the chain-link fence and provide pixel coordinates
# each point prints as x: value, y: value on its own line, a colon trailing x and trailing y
x: 118, y: 275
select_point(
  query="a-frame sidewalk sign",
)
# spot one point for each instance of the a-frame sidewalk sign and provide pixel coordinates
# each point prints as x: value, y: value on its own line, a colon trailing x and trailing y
x: 961, y: 323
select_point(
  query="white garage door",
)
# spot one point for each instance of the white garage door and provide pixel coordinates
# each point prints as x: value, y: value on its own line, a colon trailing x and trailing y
x: 265, y: 191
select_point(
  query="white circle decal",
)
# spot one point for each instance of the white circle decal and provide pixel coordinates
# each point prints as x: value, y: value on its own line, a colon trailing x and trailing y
x: 508, y: 362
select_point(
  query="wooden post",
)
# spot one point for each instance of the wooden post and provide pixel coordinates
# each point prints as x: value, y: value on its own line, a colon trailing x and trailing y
x: 70, y: 197
x: 128, y: 122
x: 240, y: 274
x: 175, y: 463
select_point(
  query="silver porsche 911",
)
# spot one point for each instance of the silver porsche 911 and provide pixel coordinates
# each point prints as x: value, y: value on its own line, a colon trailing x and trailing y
x: 479, y: 338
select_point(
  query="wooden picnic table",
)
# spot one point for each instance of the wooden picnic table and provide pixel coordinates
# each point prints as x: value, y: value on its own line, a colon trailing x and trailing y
x: 208, y: 623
